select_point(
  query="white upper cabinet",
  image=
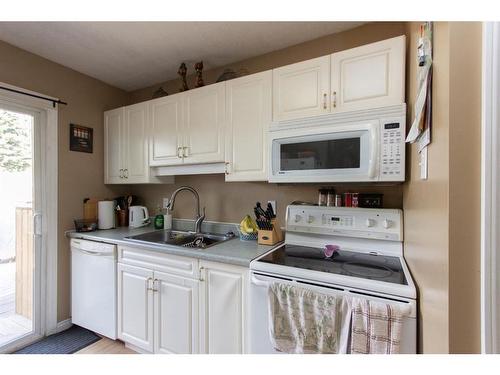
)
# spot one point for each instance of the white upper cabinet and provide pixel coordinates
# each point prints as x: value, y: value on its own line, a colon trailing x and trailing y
x: 248, y: 116
x: 369, y: 76
x: 166, y: 131
x: 204, y: 119
x: 301, y: 89
x: 136, y: 143
x: 126, y: 144
x: 188, y: 128
x: 113, y: 146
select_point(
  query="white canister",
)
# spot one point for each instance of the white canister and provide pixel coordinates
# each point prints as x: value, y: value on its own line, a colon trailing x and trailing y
x: 106, y: 214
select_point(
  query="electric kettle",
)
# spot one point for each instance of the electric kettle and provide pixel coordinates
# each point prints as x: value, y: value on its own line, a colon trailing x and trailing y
x: 138, y: 216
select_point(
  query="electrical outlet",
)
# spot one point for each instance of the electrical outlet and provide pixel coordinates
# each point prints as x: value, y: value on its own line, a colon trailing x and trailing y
x: 166, y: 201
x: 273, y: 203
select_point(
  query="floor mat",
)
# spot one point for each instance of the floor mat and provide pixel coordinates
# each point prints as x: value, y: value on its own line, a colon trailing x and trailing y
x: 66, y: 342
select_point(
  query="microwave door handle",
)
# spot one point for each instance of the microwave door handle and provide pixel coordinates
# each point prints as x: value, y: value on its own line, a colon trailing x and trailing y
x: 374, y: 153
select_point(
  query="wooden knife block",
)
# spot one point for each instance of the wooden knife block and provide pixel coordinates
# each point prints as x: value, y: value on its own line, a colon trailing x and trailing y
x: 270, y: 237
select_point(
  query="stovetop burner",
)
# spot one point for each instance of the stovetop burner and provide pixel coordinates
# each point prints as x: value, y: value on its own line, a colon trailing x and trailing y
x: 348, y: 263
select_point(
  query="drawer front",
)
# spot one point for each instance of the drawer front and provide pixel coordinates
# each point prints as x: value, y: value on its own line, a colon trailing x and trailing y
x: 173, y: 264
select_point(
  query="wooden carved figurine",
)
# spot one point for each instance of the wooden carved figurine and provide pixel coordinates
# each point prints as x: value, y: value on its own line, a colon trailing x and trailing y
x: 182, y: 72
x: 199, y: 70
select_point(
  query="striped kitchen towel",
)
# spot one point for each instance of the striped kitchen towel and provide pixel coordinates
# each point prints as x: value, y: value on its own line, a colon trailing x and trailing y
x: 376, y: 326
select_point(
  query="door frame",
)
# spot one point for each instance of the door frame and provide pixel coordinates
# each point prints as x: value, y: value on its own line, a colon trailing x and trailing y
x: 48, y: 170
x: 490, y: 197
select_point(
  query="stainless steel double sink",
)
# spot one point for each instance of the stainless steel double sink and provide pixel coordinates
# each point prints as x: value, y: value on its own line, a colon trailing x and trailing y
x: 180, y: 238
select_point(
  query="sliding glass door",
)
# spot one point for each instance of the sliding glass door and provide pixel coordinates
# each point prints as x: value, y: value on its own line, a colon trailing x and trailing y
x: 20, y: 225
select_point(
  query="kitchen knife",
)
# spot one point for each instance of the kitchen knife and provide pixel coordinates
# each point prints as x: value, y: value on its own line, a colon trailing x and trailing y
x: 270, y: 210
x: 261, y: 211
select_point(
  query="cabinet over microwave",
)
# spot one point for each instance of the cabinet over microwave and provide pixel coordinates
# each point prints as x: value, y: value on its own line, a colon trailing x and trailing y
x: 367, y: 146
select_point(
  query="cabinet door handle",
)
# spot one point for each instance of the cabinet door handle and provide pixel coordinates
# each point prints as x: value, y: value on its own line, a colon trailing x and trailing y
x: 149, y: 282
x: 155, y: 285
x: 201, y: 274
x: 324, y: 101
x: 179, y: 152
x: 121, y: 173
x: 227, y: 167
x: 185, y: 152
x: 126, y: 173
x: 334, y: 102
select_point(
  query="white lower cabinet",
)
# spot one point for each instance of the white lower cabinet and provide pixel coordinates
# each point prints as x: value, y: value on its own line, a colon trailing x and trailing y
x: 223, y: 302
x: 176, y: 314
x: 135, y: 306
x: 162, y: 311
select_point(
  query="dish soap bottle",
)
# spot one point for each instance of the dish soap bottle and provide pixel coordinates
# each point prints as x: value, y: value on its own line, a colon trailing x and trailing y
x: 159, y: 219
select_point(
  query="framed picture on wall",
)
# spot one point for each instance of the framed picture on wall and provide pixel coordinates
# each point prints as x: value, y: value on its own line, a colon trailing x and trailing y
x: 80, y: 138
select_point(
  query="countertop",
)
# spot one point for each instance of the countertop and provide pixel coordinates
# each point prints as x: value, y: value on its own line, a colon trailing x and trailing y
x: 233, y: 251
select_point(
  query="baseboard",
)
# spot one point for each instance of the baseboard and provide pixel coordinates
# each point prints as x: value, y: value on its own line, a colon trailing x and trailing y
x: 61, y: 326
x: 136, y: 349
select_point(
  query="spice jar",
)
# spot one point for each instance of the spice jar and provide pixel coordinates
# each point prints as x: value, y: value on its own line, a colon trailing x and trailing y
x: 338, y: 200
x: 347, y: 199
x: 330, y: 201
x: 322, y: 197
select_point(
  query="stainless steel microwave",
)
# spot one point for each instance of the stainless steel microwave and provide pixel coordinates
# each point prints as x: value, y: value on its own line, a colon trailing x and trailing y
x: 352, y: 147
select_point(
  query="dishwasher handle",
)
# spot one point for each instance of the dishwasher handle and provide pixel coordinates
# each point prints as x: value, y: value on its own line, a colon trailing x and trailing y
x: 95, y: 253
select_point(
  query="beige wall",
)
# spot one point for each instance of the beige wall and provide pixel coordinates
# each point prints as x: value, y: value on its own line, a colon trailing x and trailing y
x: 442, y: 239
x: 80, y: 175
x: 465, y: 187
x: 426, y: 202
x: 231, y: 201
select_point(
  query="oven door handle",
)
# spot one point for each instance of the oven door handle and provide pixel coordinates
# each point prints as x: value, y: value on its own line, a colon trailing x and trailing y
x: 258, y: 282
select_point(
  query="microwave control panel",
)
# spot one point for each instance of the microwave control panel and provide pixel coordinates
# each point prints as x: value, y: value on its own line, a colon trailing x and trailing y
x: 392, y: 163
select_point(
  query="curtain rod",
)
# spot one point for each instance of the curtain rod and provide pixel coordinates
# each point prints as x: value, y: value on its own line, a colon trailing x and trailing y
x: 54, y: 101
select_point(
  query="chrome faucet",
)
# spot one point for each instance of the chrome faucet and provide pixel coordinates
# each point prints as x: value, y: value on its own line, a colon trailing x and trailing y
x: 199, y: 217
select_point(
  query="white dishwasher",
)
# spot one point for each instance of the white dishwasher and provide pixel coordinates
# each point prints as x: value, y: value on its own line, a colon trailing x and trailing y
x: 93, y: 286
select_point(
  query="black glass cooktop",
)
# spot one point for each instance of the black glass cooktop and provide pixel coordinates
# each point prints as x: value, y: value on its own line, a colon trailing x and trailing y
x: 344, y: 262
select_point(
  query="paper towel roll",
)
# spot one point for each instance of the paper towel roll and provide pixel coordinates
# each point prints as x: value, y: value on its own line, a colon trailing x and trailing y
x: 106, y: 214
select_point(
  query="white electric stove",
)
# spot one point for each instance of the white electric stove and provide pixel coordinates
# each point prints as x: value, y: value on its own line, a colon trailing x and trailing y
x: 369, y: 263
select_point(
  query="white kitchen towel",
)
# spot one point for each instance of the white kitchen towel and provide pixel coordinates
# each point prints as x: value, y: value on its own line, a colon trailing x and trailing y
x: 376, y: 326
x: 306, y: 321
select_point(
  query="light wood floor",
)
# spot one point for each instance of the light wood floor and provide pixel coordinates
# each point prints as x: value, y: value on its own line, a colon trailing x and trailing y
x: 106, y: 346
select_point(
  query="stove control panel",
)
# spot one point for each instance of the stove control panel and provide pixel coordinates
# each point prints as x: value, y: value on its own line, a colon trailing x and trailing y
x: 386, y: 224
